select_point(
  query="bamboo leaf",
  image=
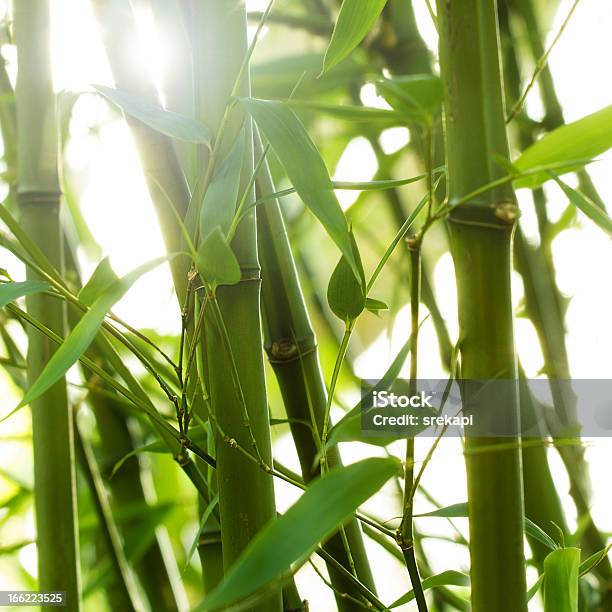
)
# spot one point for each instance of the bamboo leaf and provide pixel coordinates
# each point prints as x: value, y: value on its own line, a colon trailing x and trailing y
x: 9, y: 292
x: 561, y: 580
x: 374, y: 305
x: 326, y: 504
x: 163, y: 121
x: 220, y: 200
x: 416, y: 97
x: 583, y: 139
x: 345, y: 294
x: 102, y: 277
x: 216, y: 261
x: 535, y: 587
x: 355, y: 20
x: 352, y: 113
x: 460, y: 510
x: 447, y: 578
x: 79, y: 339
x: 590, y: 563
x: 305, y: 169
x: 587, y: 206
x: 348, y: 429
x: 205, y: 516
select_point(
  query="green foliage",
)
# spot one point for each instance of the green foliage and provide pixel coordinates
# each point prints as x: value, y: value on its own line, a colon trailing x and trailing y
x: 355, y: 20
x: 163, y: 121
x: 216, y: 261
x: 79, y: 339
x: 461, y: 510
x: 345, y: 294
x: 12, y: 291
x: 325, y: 505
x: 305, y: 169
x: 220, y: 200
x: 570, y: 144
x: 447, y: 578
x: 416, y: 97
x: 587, y: 206
x: 561, y: 580
x: 103, y: 276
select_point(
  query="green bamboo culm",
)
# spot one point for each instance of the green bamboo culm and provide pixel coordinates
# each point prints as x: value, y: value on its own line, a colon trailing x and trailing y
x: 38, y: 194
x: 481, y: 240
x: 291, y: 346
x: 246, y: 492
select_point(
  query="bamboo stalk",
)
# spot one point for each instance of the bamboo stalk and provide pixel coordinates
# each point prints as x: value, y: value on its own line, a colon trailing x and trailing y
x: 125, y: 594
x: 39, y: 199
x: 246, y: 493
x: 165, y: 179
x: 163, y: 173
x: 544, y: 303
x: 481, y: 236
x: 290, y: 343
x: 156, y: 570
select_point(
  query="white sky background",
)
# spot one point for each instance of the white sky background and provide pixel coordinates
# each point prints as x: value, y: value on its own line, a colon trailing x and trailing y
x: 115, y: 203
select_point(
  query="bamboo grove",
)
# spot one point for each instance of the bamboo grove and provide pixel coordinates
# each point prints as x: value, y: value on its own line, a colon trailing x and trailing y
x: 158, y: 483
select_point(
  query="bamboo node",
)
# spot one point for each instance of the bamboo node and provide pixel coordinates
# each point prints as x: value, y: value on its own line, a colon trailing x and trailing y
x: 507, y: 211
x: 413, y: 241
x: 285, y: 350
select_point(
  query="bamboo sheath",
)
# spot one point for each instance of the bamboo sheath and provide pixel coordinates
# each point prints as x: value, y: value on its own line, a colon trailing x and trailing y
x: 39, y: 198
x: 481, y: 239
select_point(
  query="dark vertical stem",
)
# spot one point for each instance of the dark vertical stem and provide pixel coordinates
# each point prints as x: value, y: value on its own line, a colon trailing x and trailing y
x: 405, y: 532
x: 39, y: 199
x: 290, y: 344
x: 481, y: 238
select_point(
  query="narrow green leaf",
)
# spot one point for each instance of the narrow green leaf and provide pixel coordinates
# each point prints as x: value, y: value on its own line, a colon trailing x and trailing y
x: 535, y: 587
x: 355, y: 20
x: 222, y: 194
x: 375, y: 305
x: 537, y: 533
x: 352, y: 113
x: 11, y: 291
x: 326, y: 504
x: 587, y: 206
x: 348, y: 429
x: 590, y: 563
x: 216, y: 261
x: 102, y: 277
x: 304, y: 167
x: 583, y: 139
x: 205, y: 516
x: 460, y: 510
x: 163, y: 121
x: 561, y: 580
x: 416, y: 97
x: 447, y: 578
x: 79, y: 339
